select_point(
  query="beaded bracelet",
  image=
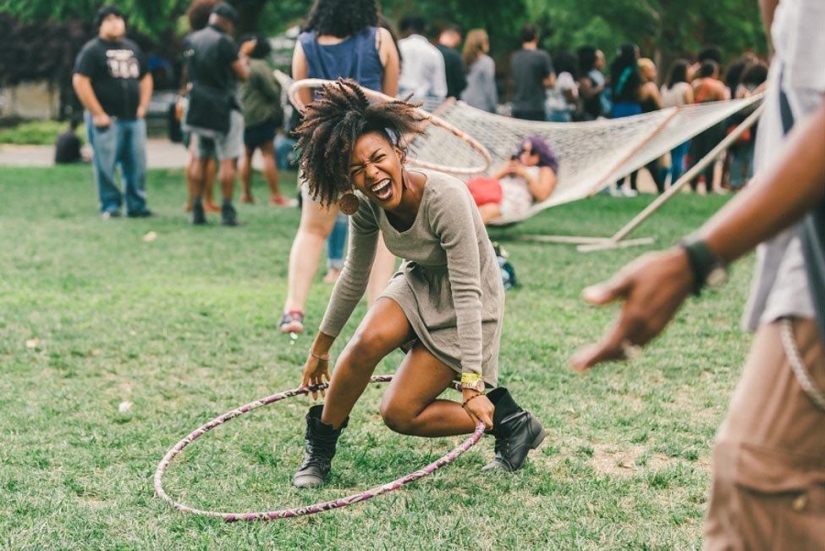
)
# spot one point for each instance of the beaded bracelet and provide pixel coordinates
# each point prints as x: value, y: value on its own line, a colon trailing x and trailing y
x: 467, y: 401
x: 323, y: 357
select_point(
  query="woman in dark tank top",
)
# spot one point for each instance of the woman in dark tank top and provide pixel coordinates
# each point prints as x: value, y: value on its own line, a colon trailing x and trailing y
x: 341, y: 38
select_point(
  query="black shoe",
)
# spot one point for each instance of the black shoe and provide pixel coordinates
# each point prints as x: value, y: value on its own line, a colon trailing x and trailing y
x: 516, y: 431
x: 141, y: 214
x: 109, y: 214
x: 198, y: 214
x: 319, y: 450
x: 228, y: 215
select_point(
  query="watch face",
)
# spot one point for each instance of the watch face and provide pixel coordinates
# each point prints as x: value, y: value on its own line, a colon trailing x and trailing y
x: 717, y: 277
x: 478, y: 386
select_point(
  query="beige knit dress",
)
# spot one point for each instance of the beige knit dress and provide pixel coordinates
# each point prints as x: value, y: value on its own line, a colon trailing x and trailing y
x: 449, y: 284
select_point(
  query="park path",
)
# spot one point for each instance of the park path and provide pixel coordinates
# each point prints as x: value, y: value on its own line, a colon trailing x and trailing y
x: 160, y: 153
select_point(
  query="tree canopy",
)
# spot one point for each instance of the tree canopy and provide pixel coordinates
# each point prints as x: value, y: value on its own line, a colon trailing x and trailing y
x: 664, y: 29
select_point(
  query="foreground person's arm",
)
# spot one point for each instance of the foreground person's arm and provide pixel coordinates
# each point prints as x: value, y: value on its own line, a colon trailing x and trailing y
x: 655, y: 285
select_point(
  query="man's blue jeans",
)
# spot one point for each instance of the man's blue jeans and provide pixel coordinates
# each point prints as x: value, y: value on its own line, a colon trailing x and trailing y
x: 121, y: 144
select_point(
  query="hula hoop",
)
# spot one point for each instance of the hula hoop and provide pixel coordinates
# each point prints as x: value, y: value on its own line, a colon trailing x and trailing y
x: 431, y: 118
x: 308, y: 509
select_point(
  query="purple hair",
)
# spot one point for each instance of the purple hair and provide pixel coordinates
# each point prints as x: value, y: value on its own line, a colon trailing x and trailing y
x: 546, y: 155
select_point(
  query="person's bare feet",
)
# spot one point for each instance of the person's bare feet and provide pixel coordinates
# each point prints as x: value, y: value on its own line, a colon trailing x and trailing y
x: 281, y: 201
x: 209, y: 206
x: 332, y: 275
x: 187, y: 206
x: 247, y: 198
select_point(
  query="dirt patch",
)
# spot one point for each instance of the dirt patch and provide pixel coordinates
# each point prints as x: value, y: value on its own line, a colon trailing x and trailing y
x: 622, y: 461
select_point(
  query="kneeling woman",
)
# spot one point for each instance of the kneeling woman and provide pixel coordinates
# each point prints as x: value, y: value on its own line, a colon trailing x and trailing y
x: 446, y: 302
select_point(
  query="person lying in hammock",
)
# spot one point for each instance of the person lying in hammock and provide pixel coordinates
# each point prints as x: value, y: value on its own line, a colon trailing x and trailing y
x: 433, y: 307
x: 528, y: 177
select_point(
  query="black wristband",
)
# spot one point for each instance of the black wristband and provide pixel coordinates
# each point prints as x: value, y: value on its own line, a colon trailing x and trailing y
x: 702, y: 261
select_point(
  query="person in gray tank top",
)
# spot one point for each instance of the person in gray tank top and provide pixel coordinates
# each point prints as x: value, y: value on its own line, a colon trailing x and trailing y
x: 353, y: 155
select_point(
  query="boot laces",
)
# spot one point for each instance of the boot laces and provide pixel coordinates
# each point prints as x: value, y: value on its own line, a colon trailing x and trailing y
x: 318, y: 454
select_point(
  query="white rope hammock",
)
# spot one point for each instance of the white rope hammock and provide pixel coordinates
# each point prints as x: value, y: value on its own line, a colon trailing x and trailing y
x: 592, y: 155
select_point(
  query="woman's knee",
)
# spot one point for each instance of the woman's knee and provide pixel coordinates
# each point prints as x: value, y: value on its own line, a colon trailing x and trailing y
x: 369, y: 345
x: 316, y: 221
x: 397, y: 417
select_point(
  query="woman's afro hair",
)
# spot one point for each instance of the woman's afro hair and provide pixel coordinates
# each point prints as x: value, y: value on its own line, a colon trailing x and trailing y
x: 334, y: 122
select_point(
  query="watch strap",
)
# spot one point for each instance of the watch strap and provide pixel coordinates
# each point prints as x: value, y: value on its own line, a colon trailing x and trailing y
x: 702, y: 261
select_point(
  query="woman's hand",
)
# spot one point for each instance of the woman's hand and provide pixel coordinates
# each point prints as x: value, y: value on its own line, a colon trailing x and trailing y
x: 316, y: 372
x: 479, y: 407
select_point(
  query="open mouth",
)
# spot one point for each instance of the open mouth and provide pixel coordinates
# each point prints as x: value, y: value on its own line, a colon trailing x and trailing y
x: 382, y: 190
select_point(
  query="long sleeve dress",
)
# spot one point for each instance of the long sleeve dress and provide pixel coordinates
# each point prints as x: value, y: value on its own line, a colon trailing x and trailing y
x: 449, y: 284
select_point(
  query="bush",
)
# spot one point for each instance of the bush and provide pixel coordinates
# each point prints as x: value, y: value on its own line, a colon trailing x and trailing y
x: 35, y: 133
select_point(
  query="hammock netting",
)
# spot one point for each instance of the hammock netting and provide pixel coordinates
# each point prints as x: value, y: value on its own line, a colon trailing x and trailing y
x: 592, y: 155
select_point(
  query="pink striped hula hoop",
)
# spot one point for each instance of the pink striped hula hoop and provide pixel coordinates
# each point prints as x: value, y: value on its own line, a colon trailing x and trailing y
x: 432, y: 119
x: 308, y: 509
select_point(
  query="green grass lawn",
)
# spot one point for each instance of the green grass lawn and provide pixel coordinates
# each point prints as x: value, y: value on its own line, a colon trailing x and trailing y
x: 183, y: 328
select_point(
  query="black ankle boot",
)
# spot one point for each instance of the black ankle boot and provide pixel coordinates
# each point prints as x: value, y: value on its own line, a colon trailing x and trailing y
x: 516, y: 431
x: 319, y: 450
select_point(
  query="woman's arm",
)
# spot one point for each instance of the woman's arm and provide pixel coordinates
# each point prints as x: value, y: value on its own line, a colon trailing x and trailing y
x: 503, y: 170
x: 651, y: 92
x: 688, y: 95
x: 586, y: 88
x: 300, y: 71
x: 355, y: 275
x: 451, y: 218
x: 348, y: 291
x: 389, y: 59
x: 542, y: 187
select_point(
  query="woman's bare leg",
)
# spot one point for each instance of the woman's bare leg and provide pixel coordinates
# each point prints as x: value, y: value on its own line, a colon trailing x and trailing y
x: 489, y: 212
x: 246, y: 174
x: 410, y: 405
x: 270, y: 172
x: 384, y: 329
x: 316, y: 225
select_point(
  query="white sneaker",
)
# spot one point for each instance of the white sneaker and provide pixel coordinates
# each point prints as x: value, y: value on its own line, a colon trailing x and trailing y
x: 627, y: 192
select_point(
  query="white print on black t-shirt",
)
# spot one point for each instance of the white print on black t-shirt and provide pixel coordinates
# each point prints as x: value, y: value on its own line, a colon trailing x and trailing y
x: 122, y: 64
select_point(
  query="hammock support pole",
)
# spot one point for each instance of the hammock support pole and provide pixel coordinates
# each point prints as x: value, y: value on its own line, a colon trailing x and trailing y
x: 616, y: 240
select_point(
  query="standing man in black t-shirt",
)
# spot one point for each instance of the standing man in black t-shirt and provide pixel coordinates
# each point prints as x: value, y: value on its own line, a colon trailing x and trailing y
x: 112, y: 83
x: 448, y: 41
x: 214, y: 64
x: 531, y: 72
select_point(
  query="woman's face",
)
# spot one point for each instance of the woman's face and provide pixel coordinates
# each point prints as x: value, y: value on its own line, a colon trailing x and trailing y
x: 375, y: 170
x: 527, y: 156
x: 599, y: 60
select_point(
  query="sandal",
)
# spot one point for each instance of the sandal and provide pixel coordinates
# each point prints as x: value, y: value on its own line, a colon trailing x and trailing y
x: 292, y: 322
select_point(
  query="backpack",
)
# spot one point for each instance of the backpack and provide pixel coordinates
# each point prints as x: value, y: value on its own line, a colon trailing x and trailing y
x: 508, y: 273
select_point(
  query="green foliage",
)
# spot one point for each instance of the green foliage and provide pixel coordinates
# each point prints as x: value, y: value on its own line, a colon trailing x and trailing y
x: 183, y: 328
x: 34, y: 133
x: 663, y: 28
x: 150, y: 17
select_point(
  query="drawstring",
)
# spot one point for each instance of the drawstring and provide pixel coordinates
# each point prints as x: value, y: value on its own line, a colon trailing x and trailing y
x: 797, y: 365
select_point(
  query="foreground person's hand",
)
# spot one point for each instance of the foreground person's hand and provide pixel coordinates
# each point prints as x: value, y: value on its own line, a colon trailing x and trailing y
x: 653, y: 288
x: 479, y: 408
